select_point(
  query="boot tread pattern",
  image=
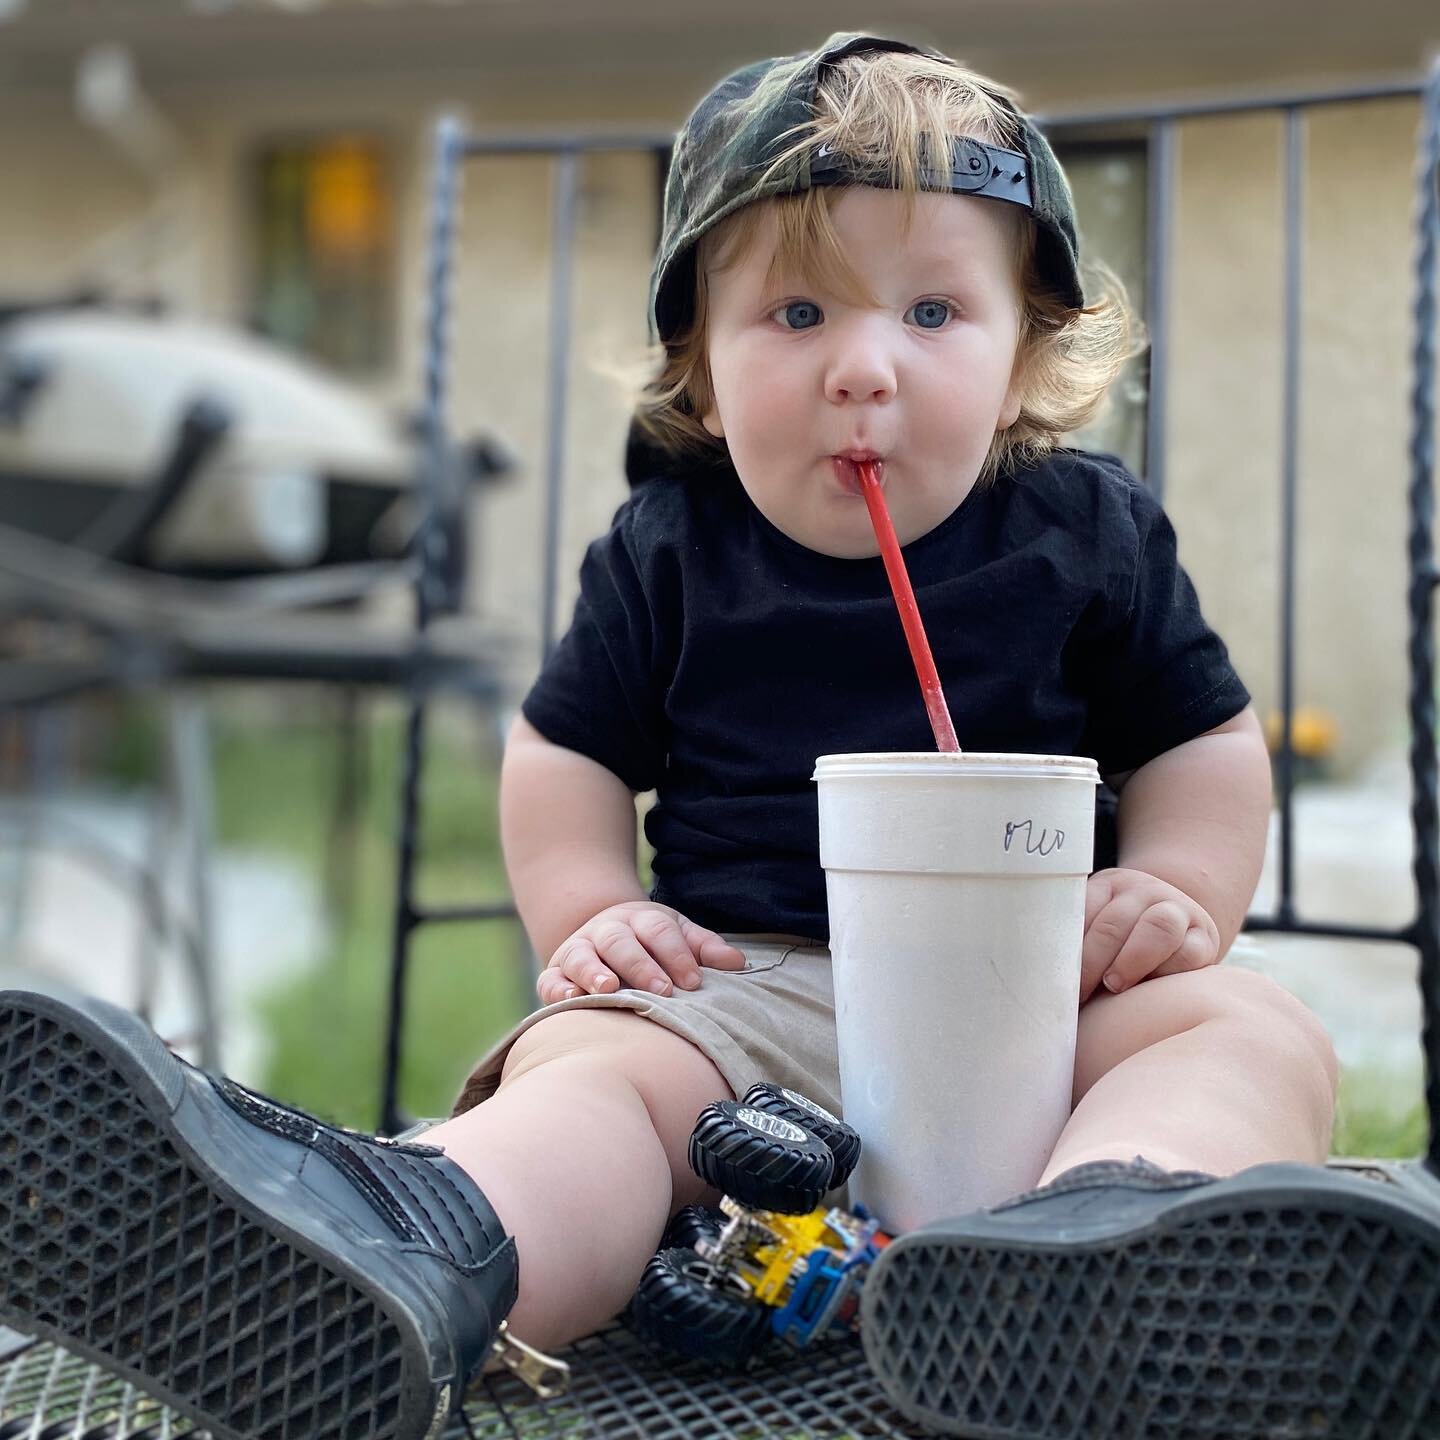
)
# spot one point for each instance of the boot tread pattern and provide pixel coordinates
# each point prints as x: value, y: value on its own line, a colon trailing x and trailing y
x: 112, y: 1241
x: 1263, y: 1321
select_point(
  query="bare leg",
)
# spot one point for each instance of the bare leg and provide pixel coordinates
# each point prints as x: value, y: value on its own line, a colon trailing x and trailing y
x: 1213, y: 1070
x: 582, y: 1152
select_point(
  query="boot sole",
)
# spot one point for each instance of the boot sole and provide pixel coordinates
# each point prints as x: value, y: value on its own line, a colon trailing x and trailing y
x: 1291, y: 1302
x: 120, y: 1240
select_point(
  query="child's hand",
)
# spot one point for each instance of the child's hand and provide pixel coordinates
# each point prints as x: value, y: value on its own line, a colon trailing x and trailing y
x: 1137, y: 925
x: 640, y: 944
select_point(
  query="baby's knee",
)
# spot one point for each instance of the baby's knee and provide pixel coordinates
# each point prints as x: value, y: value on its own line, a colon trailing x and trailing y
x: 1274, y: 1014
x: 668, y: 1071
x: 606, y: 1035
x: 622, y: 1057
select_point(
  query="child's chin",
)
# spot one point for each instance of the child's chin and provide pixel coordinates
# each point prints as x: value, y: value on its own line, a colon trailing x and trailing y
x: 842, y: 547
x: 848, y: 537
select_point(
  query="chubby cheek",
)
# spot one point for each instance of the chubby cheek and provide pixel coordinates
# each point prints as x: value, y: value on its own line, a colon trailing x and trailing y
x: 759, y: 409
x: 968, y: 412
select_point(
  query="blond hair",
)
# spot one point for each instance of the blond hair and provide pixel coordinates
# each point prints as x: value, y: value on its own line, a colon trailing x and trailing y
x: 876, y: 109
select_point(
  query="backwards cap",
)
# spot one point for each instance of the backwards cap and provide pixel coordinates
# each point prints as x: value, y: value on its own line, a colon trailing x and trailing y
x: 724, y: 148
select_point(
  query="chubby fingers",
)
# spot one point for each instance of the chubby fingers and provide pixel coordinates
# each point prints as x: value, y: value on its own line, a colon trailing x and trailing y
x: 575, y: 969
x: 552, y: 985
x: 653, y: 949
x: 710, y: 949
x: 1165, y: 933
x: 607, y: 955
x: 1135, y: 933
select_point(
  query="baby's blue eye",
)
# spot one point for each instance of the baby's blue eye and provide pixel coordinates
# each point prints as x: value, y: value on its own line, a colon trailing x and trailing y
x: 930, y: 314
x: 800, y: 315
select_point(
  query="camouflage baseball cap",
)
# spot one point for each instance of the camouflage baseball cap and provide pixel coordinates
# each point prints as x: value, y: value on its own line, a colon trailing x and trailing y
x: 723, y: 149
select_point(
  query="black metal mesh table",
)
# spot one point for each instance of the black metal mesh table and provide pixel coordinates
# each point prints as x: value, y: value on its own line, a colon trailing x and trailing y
x: 620, y: 1387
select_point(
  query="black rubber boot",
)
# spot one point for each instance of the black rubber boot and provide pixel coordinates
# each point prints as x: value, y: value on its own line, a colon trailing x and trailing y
x: 1125, y: 1301
x: 271, y: 1276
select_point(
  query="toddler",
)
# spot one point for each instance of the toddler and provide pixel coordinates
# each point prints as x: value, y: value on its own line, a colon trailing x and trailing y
x: 869, y: 253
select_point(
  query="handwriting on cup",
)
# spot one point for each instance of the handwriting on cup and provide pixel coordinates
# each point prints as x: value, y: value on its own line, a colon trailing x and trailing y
x: 1045, y: 843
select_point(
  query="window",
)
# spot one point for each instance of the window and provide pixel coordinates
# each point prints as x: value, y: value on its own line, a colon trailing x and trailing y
x: 324, y: 220
x: 1108, y: 181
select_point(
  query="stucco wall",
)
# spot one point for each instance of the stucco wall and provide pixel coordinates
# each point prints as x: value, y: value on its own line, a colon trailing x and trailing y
x: 1224, y: 450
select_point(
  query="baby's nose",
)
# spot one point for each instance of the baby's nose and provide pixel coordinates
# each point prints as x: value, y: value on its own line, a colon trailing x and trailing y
x: 860, y: 371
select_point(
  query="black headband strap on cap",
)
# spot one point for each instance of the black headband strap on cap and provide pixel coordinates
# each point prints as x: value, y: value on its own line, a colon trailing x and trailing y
x: 976, y: 168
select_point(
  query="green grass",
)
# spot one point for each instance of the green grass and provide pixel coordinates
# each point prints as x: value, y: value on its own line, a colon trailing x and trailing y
x: 275, y: 782
x: 1372, y: 1120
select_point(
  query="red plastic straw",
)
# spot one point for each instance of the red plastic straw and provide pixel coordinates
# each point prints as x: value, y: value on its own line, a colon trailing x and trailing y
x: 935, y: 706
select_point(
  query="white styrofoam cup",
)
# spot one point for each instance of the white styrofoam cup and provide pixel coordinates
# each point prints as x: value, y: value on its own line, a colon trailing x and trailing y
x: 956, y: 886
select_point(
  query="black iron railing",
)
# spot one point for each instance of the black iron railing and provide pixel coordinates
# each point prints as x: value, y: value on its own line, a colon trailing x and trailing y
x: 1159, y: 124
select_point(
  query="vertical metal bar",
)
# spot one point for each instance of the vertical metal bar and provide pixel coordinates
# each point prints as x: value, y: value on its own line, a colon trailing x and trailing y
x: 430, y: 584
x: 1160, y: 154
x: 17, y: 862
x: 156, y: 921
x: 1294, y: 256
x: 445, y: 202
x: 562, y: 260
x: 342, y: 845
x: 191, y: 772
x: 1422, y: 591
x: 392, y: 1120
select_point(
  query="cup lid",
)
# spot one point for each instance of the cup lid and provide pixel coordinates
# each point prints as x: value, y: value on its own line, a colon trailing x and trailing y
x: 998, y: 765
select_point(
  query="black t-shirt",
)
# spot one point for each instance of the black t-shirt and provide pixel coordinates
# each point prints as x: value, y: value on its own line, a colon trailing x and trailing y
x: 712, y: 658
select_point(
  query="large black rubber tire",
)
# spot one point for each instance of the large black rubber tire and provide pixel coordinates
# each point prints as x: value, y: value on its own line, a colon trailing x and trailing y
x: 844, y: 1142
x: 764, y: 1161
x: 694, y: 1222
x: 674, y: 1307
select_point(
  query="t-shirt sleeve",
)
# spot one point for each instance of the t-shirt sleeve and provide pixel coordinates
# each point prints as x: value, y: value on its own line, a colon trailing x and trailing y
x: 598, y: 692
x: 1157, y: 674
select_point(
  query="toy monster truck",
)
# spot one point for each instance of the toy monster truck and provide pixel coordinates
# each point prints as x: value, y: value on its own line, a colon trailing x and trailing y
x: 771, y: 1261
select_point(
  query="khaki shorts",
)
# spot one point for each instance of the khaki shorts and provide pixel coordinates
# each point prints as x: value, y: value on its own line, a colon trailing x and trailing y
x: 774, y: 1020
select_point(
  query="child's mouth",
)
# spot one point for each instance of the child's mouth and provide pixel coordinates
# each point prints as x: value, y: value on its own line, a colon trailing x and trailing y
x: 847, y: 470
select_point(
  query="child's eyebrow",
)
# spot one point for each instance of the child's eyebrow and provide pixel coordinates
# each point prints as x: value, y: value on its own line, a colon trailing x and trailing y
x: 947, y: 264
x: 946, y: 260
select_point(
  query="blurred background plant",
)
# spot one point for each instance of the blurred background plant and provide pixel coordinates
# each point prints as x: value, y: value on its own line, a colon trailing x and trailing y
x: 1313, y: 738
